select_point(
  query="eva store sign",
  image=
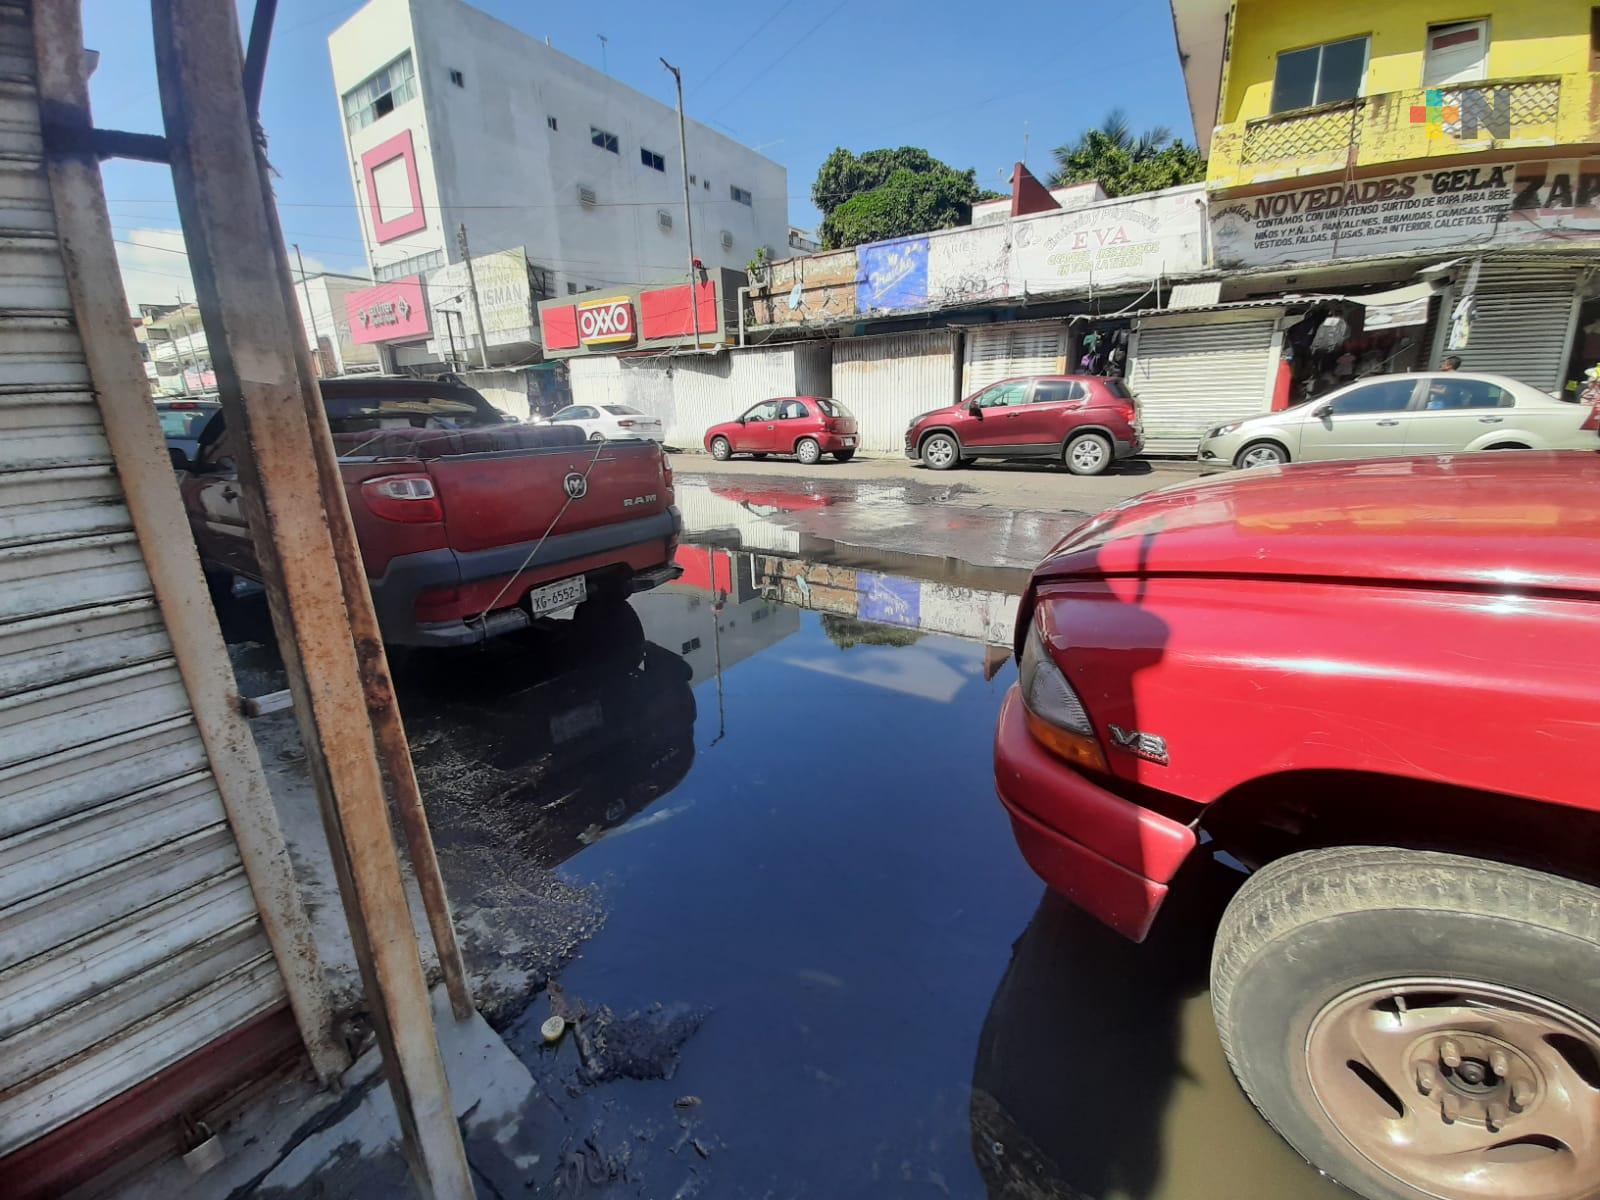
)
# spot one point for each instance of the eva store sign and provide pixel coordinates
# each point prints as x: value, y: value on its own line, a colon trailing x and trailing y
x: 608, y: 321
x: 388, y: 312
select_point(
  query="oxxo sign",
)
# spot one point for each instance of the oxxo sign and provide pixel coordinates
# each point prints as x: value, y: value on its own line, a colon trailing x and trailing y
x: 601, y: 322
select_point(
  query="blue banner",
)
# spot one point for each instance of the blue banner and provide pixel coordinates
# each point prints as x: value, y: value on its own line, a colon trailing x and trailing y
x: 894, y: 275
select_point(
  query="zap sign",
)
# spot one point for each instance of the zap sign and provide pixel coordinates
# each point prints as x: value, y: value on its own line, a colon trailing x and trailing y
x: 601, y: 322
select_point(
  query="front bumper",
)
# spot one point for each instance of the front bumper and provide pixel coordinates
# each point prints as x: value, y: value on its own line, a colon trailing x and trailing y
x: 630, y: 544
x: 1106, y: 854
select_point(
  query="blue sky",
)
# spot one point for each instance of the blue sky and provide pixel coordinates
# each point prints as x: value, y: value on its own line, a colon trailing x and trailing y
x: 792, y: 78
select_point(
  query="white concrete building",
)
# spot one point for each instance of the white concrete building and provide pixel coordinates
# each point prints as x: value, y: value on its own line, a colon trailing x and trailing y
x: 451, y: 116
x: 326, y: 320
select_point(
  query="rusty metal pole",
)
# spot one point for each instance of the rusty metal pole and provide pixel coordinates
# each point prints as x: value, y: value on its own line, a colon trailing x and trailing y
x: 301, y: 527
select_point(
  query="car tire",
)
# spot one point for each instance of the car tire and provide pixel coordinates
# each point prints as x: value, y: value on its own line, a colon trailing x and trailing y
x: 808, y: 451
x: 1260, y: 454
x: 1368, y: 999
x: 720, y: 449
x: 1509, y: 446
x: 597, y: 436
x: 1088, y: 454
x: 939, y: 452
x: 843, y: 456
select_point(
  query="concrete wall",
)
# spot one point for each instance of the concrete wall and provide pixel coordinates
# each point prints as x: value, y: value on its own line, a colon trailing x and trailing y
x: 327, y: 318
x: 488, y: 143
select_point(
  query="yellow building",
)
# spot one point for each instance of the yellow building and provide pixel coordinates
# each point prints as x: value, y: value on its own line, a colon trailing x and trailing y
x: 1366, y: 142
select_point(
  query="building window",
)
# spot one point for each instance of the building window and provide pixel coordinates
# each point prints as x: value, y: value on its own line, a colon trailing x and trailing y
x: 1457, y: 53
x: 551, y: 121
x: 652, y: 160
x: 380, y: 93
x: 739, y: 194
x: 1594, y: 38
x: 415, y: 265
x: 1319, y: 74
x: 572, y: 289
x: 707, y: 184
x: 606, y: 141
x: 693, y: 179
x: 457, y: 78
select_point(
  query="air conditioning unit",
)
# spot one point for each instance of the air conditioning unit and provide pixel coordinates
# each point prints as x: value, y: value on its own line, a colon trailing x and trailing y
x: 663, y: 219
x: 586, y: 196
x: 727, y: 240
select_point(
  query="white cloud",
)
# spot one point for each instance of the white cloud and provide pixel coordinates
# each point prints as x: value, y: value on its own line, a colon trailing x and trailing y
x: 155, y: 266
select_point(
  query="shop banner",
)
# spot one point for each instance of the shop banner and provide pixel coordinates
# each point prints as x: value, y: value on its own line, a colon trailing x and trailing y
x: 1119, y: 243
x: 388, y: 312
x: 894, y: 275
x: 503, y: 295
x: 1455, y: 210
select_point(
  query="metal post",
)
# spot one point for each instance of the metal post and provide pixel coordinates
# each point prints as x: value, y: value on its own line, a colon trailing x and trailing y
x: 316, y: 334
x: 688, y: 211
x: 183, y: 369
x: 305, y: 547
x: 450, y: 332
x: 472, y: 286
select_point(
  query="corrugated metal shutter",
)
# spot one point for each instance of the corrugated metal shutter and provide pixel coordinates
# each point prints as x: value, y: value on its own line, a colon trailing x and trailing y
x: 886, y: 381
x: 711, y: 388
x: 129, y: 936
x: 996, y: 352
x: 1523, y: 326
x: 1190, y: 377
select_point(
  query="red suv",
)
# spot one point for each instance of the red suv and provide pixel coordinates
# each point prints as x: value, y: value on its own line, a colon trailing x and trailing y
x: 1375, y: 686
x: 805, y: 426
x: 1084, y: 421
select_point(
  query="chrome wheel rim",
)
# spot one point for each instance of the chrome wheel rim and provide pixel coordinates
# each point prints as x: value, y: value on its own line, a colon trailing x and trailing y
x: 939, y: 452
x: 1088, y: 453
x: 1462, y: 1090
x: 1261, y: 456
x: 809, y: 452
x: 719, y: 448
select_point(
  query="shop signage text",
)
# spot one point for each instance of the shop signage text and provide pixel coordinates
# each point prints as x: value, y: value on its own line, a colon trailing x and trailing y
x: 1503, y: 204
x: 388, y: 312
x: 603, y: 322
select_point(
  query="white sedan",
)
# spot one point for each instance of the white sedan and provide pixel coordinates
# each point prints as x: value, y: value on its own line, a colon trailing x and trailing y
x: 609, y: 422
x: 1433, y: 412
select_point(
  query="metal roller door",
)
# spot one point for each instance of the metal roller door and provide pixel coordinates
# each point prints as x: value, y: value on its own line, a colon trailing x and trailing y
x: 996, y: 352
x: 886, y: 381
x: 1189, y: 377
x: 1524, y: 322
x: 129, y: 933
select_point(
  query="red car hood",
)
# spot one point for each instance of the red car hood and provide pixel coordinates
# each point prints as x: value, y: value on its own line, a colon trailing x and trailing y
x: 1507, y: 519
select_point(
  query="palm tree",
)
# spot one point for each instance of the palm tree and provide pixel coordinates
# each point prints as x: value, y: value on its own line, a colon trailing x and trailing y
x: 1124, y: 162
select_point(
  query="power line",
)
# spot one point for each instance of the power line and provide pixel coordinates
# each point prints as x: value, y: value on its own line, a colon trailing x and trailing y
x: 759, y: 29
x: 788, y: 50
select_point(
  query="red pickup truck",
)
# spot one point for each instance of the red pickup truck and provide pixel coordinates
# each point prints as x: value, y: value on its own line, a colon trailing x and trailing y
x: 469, y: 524
x: 1376, y: 686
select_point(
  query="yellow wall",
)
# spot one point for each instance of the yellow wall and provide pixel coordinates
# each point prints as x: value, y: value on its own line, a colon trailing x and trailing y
x: 1526, y: 37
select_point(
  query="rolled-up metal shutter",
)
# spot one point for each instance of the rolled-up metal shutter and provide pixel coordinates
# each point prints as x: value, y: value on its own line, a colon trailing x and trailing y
x: 1523, y: 324
x: 129, y: 933
x: 885, y: 381
x: 1188, y: 377
x: 996, y: 352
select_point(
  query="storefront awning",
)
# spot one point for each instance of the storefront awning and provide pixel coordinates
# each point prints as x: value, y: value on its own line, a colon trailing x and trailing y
x: 1398, y: 306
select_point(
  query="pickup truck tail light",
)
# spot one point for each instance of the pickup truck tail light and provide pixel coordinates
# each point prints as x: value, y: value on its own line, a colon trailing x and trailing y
x: 1056, y: 717
x: 408, y: 498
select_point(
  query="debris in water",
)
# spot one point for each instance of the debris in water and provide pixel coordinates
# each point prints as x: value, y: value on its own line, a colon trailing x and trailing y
x: 637, y: 1046
x: 553, y: 1028
x: 686, y: 1102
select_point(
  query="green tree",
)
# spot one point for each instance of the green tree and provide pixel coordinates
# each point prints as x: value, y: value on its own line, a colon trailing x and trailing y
x: 890, y: 193
x: 1125, y: 163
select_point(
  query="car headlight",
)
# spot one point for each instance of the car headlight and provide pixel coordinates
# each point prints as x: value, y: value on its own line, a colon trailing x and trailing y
x: 1222, y: 429
x: 1055, y: 715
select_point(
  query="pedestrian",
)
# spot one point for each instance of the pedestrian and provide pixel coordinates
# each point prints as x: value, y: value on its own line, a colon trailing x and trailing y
x: 1452, y: 362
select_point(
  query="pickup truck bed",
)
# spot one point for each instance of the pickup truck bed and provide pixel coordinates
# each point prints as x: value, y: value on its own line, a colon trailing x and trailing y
x: 461, y: 515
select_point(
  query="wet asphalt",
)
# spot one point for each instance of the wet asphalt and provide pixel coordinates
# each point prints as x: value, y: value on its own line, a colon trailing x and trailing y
x: 746, y: 827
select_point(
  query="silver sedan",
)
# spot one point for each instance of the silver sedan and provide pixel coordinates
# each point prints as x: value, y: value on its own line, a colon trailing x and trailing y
x: 1443, y: 412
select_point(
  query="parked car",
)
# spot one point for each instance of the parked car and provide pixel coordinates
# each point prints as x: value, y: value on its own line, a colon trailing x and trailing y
x: 469, y: 526
x: 805, y: 426
x: 181, y: 423
x: 1375, y: 685
x: 1441, y: 412
x: 1085, y: 421
x: 600, y: 422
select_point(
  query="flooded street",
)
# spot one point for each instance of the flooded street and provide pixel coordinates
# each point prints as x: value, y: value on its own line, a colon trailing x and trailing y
x: 741, y: 833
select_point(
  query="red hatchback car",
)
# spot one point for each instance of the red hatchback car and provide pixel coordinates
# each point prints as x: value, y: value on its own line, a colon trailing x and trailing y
x: 805, y: 426
x: 1084, y: 421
